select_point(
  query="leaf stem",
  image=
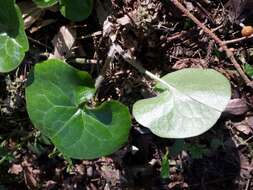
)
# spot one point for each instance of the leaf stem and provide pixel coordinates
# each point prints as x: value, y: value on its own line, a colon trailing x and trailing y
x: 127, y: 57
x: 138, y: 66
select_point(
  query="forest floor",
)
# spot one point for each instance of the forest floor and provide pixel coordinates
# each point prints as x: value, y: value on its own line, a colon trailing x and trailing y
x: 164, y: 40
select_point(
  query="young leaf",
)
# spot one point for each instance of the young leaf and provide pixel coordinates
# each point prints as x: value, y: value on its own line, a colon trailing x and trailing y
x: 197, y: 151
x: 45, y: 3
x: 56, y: 98
x: 189, y: 103
x: 165, y: 166
x: 13, y: 40
x: 76, y: 10
x: 249, y: 70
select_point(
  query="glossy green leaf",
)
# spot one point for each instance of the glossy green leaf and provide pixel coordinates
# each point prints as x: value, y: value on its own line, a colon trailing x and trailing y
x: 76, y: 10
x: 56, y: 98
x: 45, y: 3
x: 190, y: 101
x: 13, y: 40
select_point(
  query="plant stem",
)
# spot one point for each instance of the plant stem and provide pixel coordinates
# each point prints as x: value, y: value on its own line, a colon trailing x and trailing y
x: 83, y: 61
x: 222, y: 44
x: 138, y: 66
x: 142, y: 70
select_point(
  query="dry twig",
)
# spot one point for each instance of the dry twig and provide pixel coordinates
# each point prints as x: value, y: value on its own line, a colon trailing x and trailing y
x: 237, y: 40
x: 222, y: 44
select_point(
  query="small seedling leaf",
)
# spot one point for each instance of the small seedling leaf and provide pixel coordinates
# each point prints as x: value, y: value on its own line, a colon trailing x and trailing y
x: 249, y: 70
x: 165, y: 167
x: 190, y: 101
x: 57, y: 96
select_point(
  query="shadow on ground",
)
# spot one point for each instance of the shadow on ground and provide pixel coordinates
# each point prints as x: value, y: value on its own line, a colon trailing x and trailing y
x: 208, y: 162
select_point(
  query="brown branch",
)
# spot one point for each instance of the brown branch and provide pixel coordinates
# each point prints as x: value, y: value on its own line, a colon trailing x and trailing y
x: 222, y: 44
x: 237, y: 40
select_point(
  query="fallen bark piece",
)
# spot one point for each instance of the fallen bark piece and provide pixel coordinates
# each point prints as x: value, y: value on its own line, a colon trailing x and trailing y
x: 63, y: 42
x: 237, y: 107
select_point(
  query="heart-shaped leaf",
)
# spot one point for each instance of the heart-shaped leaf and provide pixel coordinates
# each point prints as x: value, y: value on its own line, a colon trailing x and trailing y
x: 56, y: 98
x: 76, y: 10
x: 45, y: 3
x: 13, y: 40
x: 189, y: 103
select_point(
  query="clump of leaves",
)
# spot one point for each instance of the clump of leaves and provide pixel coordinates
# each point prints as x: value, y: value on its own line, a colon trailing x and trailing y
x: 13, y: 40
x: 75, y: 10
x: 57, y: 99
x: 189, y: 101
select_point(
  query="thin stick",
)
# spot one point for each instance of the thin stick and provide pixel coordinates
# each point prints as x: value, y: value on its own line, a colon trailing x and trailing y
x: 40, y: 43
x: 229, y: 53
x: 83, y: 61
x: 237, y: 40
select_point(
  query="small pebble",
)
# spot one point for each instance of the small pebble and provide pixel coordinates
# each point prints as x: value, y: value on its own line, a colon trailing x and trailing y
x: 90, y: 171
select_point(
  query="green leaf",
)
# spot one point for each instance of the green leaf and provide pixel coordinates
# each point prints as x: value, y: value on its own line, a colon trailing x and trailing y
x: 45, y: 3
x: 249, y: 70
x: 5, y: 155
x: 13, y: 40
x: 76, y: 10
x: 165, y: 167
x: 190, y: 102
x: 3, y: 152
x: 197, y: 151
x: 57, y: 96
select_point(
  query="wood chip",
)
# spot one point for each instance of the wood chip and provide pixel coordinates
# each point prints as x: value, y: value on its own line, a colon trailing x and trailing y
x: 63, y: 42
x: 249, y: 122
x: 237, y: 107
x: 125, y: 20
x: 245, y: 129
x: 15, y: 169
x: 30, y: 13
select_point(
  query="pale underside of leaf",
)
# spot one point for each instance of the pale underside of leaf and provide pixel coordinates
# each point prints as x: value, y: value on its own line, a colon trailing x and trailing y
x: 189, y: 108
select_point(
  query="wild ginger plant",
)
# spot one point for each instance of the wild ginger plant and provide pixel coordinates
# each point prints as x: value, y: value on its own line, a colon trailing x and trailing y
x: 188, y: 101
